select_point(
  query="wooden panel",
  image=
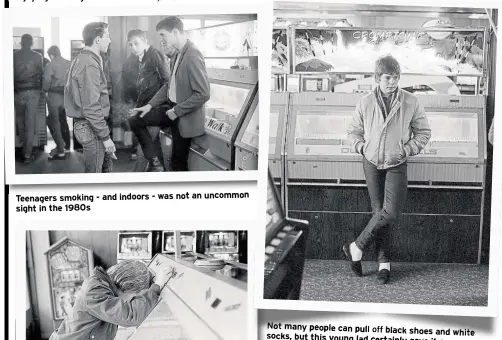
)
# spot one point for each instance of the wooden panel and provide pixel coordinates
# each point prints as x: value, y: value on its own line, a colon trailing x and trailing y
x: 328, y: 199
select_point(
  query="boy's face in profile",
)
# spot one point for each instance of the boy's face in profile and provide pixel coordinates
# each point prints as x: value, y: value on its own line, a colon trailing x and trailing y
x: 388, y: 82
x: 138, y: 45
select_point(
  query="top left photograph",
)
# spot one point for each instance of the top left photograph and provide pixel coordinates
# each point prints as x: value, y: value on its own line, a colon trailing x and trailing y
x: 123, y: 94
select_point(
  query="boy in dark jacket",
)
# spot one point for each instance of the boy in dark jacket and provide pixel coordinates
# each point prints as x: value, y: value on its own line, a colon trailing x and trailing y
x: 120, y: 296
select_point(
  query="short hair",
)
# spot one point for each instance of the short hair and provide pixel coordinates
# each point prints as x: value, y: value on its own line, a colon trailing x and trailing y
x: 26, y: 40
x: 54, y: 50
x: 93, y: 30
x: 130, y: 276
x: 136, y: 33
x: 386, y: 64
x: 170, y: 23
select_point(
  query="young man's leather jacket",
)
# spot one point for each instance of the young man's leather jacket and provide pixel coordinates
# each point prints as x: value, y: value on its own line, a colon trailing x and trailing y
x: 389, y: 142
x: 28, y: 70
x: 153, y: 74
x: 100, y: 308
x: 86, y: 92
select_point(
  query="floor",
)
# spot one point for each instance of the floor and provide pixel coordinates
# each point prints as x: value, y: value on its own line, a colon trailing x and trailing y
x: 411, y: 283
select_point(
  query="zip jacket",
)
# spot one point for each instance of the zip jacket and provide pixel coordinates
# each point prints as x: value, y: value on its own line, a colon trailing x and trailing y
x: 86, y: 92
x: 100, y: 308
x: 388, y: 140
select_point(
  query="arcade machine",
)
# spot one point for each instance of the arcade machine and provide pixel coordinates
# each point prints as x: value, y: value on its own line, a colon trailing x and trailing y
x: 279, y: 106
x: 135, y: 245
x: 246, y: 145
x: 76, y: 47
x: 324, y: 176
x: 187, y: 243
x: 223, y: 245
x: 69, y: 264
x: 40, y: 139
x: 196, y: 303
x: 285, y: 243
x: 233, y: 88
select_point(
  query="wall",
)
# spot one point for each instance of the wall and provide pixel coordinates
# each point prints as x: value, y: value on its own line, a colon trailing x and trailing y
x: 102, y: 243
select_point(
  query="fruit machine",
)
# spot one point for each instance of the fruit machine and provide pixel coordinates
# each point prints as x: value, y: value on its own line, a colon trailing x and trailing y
x: 135, y: 245
x: 325, y: 182
x: 188, y: 240
x: 69, y: 264
x: 196, y: 303
x: 224, y: 245
x: 40, y: 139
x: 285, y: 242
x: 246, y: 145
x: 232, y: 94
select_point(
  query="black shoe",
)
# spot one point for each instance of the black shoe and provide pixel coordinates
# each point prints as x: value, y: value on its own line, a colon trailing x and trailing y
x: 383, y: 276
x: 355, y: 266
x: 154, y: 165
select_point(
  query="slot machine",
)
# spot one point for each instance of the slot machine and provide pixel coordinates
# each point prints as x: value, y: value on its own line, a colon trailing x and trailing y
x: 69, y: 264
x: 285, y: 244
x: 223, y: 245
x: 40, y: 139
x: 188, y: 243
x: 135, y: 245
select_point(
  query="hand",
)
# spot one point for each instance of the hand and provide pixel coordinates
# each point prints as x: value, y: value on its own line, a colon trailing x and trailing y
x: 163, y: 276
x: 109, y: 145
x: 141, y: 110
x: 171, y: 114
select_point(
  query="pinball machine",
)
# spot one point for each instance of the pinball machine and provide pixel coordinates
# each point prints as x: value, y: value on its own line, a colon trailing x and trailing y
x: 69, y: 264
x: 40, y: 139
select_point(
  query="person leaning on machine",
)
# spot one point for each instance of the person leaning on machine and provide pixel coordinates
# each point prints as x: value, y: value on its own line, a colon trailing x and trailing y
x: 389, y: 126
x: 120, y: 296
x: 186, y: 94
x: 86, y: 99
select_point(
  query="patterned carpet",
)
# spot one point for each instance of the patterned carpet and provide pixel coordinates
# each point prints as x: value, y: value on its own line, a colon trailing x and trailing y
x: 410, y: 283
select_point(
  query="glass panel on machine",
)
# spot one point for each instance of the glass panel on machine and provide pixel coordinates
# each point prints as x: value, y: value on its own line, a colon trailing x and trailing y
x: 251, y: 134
x: 435, y: 52
x: 454, y: 135
x: 274, y: 125
x: 322, y: 133
x: 274, y: 215
x: 224, y: 106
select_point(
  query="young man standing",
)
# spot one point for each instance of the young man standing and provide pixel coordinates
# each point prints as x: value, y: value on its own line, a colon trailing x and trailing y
x: 53, y: 85
x: 28, y: 74
x: 186, y: 94
x: 389, y: 126
x: 86, y: 99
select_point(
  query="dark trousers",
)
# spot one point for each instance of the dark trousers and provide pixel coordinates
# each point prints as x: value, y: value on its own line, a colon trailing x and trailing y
x: 65, y: 129
x: 387, y: 189
x: 158, y: 117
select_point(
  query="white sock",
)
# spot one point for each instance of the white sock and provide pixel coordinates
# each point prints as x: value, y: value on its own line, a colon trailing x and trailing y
x: 355, y: 252
x: 385, y: 265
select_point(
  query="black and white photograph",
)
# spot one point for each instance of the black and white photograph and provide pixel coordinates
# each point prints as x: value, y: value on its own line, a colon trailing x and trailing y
x: 126, y: 285
x: 136, y: 93
x: 380, y: 159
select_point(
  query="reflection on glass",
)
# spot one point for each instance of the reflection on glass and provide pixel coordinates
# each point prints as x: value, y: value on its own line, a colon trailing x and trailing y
x: 251, y: 134
x: 279, y: 51
x: 223, y: 107
x: 229, y: 64
x: 355, y: 50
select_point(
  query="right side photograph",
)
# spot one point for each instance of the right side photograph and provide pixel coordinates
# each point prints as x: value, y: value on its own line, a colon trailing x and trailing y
x: 380, y: 155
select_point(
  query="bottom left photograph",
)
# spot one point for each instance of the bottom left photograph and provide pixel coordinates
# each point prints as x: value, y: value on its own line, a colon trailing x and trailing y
x: 136, y: 285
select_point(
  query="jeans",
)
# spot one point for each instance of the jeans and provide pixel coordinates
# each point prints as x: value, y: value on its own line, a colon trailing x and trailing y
x: 65, y: 129
x: 96, y: 159
x: 158, y: 117
x: 26, y: 105
x: 55, y: 104
x: 141, y: 161
x: 387, y: 189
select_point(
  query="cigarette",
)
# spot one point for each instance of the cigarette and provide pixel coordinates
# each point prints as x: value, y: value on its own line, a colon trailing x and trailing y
x: 114, y: 156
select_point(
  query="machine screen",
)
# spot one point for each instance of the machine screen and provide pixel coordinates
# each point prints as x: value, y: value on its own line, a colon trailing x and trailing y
x: 274, y: 125
x: 223, y: 108
x: 134, y: 246
x: 251, y: 134
x: 322, y: 133
x: 187, y: 240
